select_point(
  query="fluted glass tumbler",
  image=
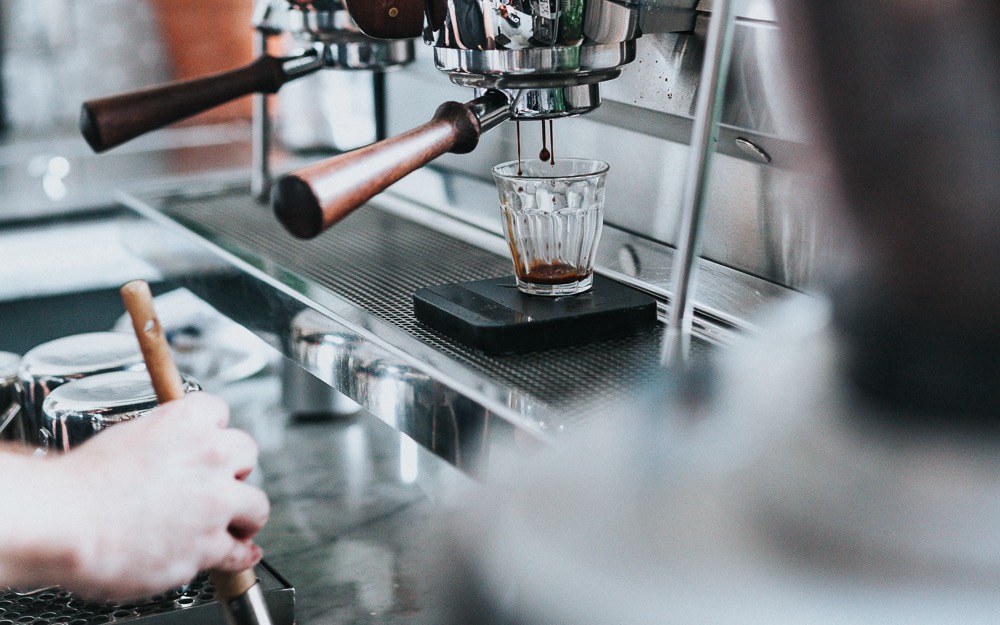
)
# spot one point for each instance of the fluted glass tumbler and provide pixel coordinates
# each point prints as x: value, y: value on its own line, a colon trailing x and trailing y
x: 552, y: 217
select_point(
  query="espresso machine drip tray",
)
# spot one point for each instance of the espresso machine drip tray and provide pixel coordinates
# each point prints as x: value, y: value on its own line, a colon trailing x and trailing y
x: 492, y: 315
x: 353, y: 289
x: 193, y: 604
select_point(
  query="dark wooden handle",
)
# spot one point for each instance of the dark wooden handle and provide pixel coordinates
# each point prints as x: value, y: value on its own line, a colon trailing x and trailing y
x: 310, y: 200
x: 168, y: 386
x: 109, y: 122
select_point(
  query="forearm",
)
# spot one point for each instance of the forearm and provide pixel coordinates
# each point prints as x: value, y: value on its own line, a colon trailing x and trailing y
x: 37, y: 548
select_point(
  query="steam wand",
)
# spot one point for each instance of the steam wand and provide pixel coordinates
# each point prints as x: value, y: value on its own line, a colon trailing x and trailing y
x: 708, y: 109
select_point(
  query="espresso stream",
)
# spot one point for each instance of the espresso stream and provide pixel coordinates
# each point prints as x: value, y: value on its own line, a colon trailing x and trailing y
x: 545, y: 154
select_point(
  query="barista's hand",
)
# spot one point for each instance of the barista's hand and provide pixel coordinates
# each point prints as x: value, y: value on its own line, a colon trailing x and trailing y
x: 144, y: 506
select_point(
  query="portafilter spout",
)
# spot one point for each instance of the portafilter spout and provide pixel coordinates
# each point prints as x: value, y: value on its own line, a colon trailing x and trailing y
x: 312, y: 199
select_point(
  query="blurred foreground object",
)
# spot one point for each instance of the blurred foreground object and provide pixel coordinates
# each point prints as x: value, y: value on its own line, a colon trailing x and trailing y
x: 779, y: 497
x: 911, y: 95
x: 842, y: 466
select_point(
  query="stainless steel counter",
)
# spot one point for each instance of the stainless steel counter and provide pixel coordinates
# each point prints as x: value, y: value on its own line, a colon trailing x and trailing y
x: 59, y: 219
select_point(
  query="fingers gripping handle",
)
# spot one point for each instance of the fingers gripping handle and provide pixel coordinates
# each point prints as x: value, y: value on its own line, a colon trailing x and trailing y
x: 238, y: 592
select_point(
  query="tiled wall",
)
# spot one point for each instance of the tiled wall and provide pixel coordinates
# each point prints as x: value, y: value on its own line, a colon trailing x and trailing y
x: 58, y: 53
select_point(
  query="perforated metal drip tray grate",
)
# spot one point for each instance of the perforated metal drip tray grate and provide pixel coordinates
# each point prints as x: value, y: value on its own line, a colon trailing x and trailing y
x: 362, y: 273
x: 193, y: 604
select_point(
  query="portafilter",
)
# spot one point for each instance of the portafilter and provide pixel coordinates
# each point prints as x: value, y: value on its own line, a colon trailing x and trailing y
x: 329, y: 39
x: 526, y: 59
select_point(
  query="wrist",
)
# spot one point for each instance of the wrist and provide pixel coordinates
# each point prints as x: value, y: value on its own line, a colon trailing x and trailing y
x: 43, y: 537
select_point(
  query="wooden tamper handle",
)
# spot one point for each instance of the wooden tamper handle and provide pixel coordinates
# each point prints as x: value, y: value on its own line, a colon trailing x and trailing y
x: 312, y: 199
x: 168, y: 386
x: 109, y: 122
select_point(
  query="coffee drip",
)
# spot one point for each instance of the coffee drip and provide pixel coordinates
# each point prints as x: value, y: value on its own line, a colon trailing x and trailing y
x: 544, y: 154
x: 548, y: 151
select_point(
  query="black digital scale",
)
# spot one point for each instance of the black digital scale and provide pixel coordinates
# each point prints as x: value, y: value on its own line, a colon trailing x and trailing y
x: 494, y: 316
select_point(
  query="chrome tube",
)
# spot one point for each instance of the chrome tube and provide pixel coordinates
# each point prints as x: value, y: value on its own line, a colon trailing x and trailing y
x: 708, y: 109
x: 260, y: 146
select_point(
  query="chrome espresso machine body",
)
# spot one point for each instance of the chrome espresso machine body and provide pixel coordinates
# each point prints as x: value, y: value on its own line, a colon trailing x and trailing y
x: 539, y: 60
x: 439, y: 223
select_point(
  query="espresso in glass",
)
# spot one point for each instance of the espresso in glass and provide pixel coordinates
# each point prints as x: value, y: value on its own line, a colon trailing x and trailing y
x: 552, y: 216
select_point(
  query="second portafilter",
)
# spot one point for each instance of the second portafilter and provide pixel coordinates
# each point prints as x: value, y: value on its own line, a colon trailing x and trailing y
x: 536, y: 60
x: 329, y: 39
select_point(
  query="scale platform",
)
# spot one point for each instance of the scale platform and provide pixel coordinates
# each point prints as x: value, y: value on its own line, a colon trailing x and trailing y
x: 495, y: 317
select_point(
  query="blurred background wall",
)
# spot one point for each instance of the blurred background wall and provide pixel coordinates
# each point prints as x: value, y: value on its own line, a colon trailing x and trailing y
x: 58, y: 53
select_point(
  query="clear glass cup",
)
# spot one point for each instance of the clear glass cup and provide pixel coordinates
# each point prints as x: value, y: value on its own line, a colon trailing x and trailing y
x: 552, y: 217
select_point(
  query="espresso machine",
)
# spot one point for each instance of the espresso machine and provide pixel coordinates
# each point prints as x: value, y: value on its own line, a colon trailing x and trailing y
x: 439, y: 225
x: 538, y: 60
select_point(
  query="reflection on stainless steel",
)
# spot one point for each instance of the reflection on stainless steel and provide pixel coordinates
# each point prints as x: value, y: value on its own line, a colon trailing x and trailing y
x: 7, y: 417
x: 260, y: 138
x: 752, y: 150
x: 449, y: 398
x: 250, y: 608
x: 552, y: 102
x: 81, y: 408
x: 489, y: 110
x: 534, y: 66
x: 11, y: 428
x: 761, y: 97
x: 320, y: 365
x: 542, y: 81
x: 50, y: 365
x: 369, y: 54
x: 606, y: 21
x: 540, y: 45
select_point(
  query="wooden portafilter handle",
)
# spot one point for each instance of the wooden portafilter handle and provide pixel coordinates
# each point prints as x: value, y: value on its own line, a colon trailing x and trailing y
x: 109, y: 122
x: 230, y: 587
x: 312, y: 199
